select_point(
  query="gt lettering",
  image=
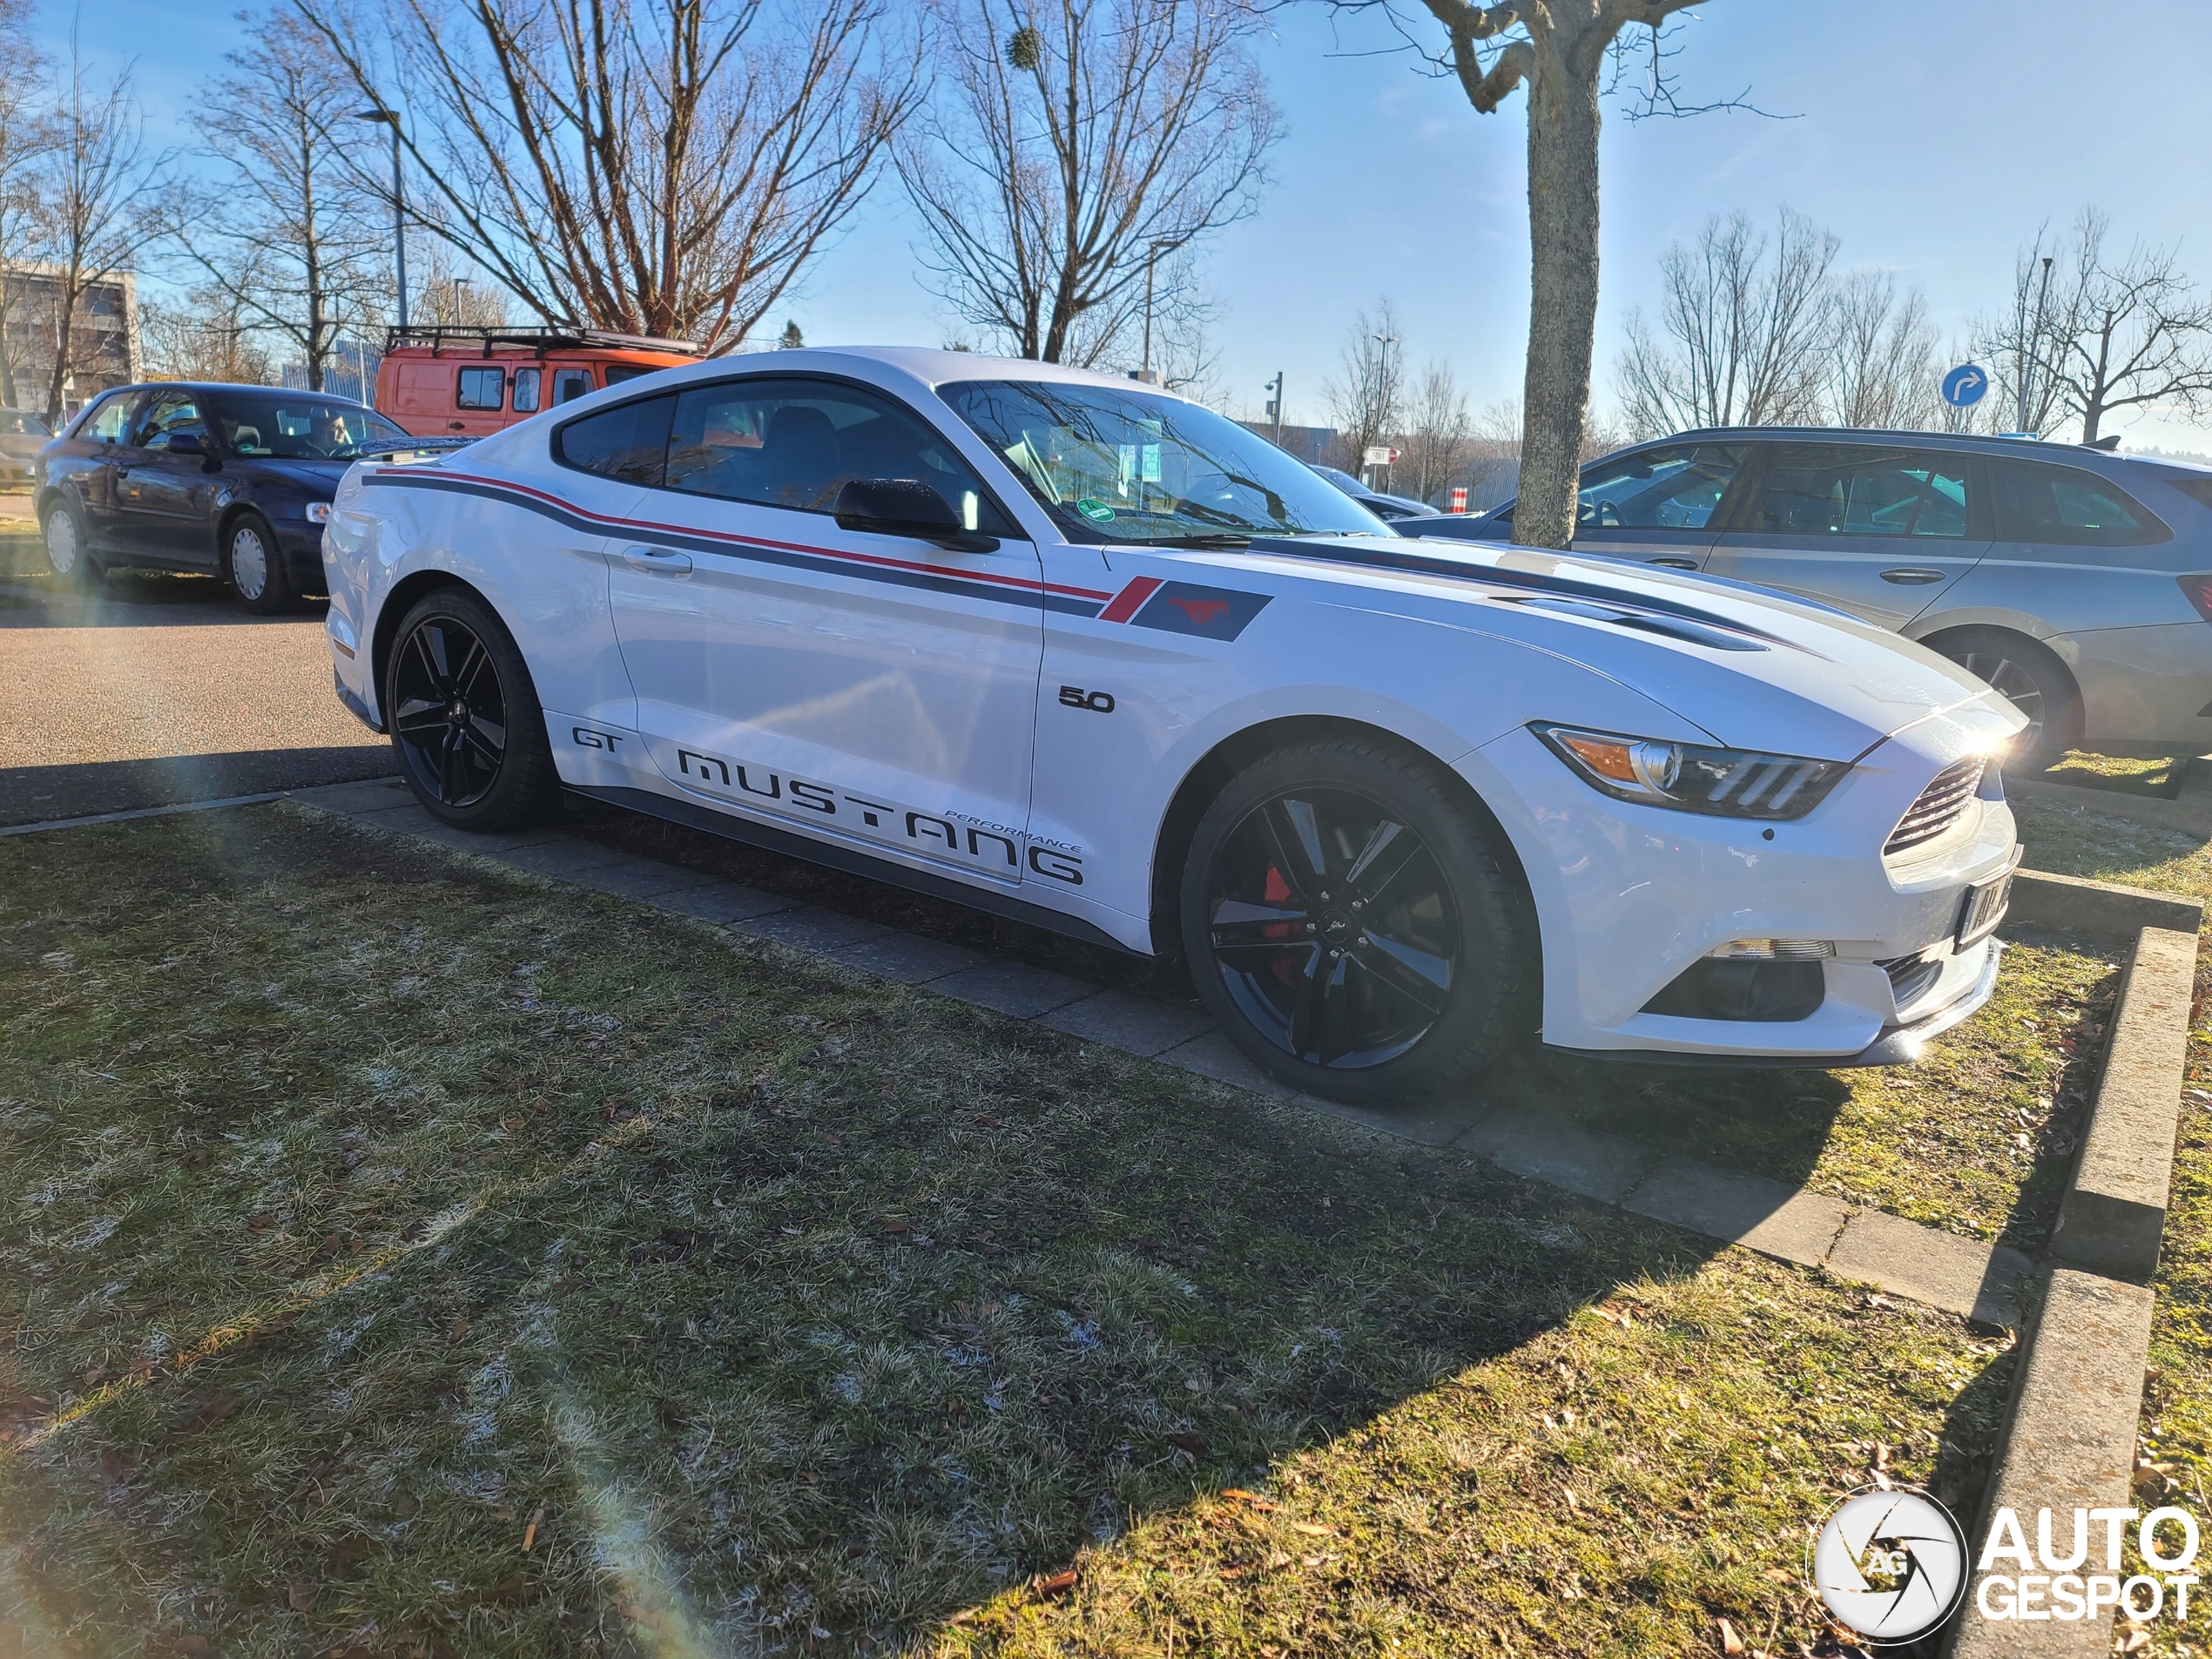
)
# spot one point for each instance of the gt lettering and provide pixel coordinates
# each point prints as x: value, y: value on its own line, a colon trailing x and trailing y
x: 585, y: 737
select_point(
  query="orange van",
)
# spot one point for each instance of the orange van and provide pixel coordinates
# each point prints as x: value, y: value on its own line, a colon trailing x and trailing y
x: 442, y: 381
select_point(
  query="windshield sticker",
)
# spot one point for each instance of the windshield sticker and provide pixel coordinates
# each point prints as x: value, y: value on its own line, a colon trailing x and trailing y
x: 1096, y: 511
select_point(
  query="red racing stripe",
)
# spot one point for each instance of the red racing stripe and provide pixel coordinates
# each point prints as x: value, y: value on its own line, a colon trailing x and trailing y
x: 1126, y: 601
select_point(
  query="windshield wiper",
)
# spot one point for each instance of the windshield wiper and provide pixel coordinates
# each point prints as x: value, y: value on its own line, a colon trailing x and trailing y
x: 1210, y: 538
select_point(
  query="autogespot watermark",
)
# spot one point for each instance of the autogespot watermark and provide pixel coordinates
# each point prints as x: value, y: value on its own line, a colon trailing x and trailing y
x: 2049, y: 1584
x: 1890, y: 1565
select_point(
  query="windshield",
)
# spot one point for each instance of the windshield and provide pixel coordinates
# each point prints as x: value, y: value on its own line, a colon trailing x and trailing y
x: 14, y: 423
x: 301, y: 427
x: 1116, y: 466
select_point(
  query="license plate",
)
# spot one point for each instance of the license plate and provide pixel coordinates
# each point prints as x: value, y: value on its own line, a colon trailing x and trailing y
x: 1984, y: 907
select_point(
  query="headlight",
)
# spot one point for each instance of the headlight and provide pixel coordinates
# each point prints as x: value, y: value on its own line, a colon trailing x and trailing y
x: 318, y: 512
x: 1730, y: 783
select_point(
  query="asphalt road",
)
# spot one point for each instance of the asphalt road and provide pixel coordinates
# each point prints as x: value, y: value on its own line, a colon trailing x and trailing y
x: 159, y: 690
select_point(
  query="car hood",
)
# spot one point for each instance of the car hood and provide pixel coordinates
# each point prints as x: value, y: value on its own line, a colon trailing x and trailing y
x: 319, y: 475
x: 1755, y: 668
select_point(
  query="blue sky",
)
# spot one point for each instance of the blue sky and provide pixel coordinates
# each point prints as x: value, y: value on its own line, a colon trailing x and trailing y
x: 1932, y: 139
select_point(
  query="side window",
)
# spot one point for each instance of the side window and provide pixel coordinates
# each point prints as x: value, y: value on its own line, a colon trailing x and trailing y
x: 482, y: 389
x: 1861, y: 489
x: 569, y: 384
x: 525, y: 399
x: 2066, y: 507
x: 628, y: 442
x: 796, y: 444
x: 618, y: 372
x: 1674, y: 489
x: 111, y: 422
x: 170, y: 412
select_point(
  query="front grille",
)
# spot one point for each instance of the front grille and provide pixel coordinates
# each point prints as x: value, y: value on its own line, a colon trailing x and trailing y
x: 1912, y: 977
x: 1939, y: 805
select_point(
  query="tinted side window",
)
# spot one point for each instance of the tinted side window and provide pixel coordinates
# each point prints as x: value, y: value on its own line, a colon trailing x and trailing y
x: 797, y: 443
x: 482, y: 389
x: 526, y: 380
x: 569, y: 384
x: 1861, y: 489
x: 618, y: 372
x: 2066, y: 507
x: 170, y: 412
x: 1674, y: 489
x: 629, y: 442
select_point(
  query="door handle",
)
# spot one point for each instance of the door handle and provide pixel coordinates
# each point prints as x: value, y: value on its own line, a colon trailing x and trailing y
x: 1675, y: 564
x: 654, y: 561
x: 1913, y: 577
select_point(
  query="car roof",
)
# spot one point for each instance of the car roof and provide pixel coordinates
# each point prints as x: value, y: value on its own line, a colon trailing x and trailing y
x: 231, y: 385
x: 938, y: 368
x: 1984, y: 443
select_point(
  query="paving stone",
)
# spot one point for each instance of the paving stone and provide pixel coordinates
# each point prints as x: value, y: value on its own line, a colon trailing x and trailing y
x: 1957, y: 1275
x: 560, y: 858
x: 1767, y: 1216
x: 1430, y: 1123
x: 408, y: 819
x: 642, y: 879
x: 1214, y: 1055
x: 909, y: 958
x: 1013, y: 988
x: 1133, y: 1024
x: 718, y: 901
x: 810, y: 928
x: 1544, y: 1148
x: 376, y: 795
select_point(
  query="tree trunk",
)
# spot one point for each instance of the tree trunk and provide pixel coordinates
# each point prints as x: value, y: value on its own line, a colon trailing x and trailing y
x: 65, y: 345
x: 1562, y: 238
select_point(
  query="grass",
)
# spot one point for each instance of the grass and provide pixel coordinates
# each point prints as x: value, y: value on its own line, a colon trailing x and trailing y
x: 2157, y: 775
x: 402, y: 1257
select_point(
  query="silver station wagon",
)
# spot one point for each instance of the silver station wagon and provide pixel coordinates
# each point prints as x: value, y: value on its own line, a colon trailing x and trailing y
x: 2077, y: 581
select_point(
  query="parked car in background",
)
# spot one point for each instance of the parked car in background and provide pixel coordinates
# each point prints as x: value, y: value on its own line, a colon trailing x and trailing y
x: 229, y: 480
x: 2077, y: 581
x: 442, y: 381
x: 22, y: 435
x: 1387, y: 507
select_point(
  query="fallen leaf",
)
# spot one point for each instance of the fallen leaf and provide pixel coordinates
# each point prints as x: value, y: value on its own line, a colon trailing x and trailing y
x: 1189, y: 1445
x: 113, y: 1465
x: 458, y: 1330
x: 1057, y: 1584
x: 1731, y: 1642
x: 300, y: 1595
x: 1237, y: 1495
x: 1313, y: 1529
x: 895, y: 1225
x: 206, y: 1411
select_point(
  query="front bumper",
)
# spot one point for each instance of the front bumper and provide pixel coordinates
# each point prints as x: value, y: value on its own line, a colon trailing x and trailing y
x: 1630, y: 897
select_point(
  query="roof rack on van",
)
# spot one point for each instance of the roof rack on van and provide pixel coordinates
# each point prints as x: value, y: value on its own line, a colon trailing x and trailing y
x: 441, y: 336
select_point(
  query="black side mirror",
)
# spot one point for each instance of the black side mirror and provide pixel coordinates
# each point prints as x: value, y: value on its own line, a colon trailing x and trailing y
x: 907, y: 507
x: 183, y: 443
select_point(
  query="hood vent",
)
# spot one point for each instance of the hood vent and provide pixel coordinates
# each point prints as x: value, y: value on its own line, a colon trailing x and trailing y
x: 1939, y: 805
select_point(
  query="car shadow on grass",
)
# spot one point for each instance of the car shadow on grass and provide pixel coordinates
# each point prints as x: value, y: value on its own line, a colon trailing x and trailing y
x: 583, y: 1284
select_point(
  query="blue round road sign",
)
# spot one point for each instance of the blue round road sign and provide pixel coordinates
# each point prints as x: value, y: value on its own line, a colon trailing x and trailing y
x: 1963, y: 386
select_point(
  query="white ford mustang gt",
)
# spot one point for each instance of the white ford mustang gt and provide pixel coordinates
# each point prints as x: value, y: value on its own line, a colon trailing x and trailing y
x: 1081, y: 653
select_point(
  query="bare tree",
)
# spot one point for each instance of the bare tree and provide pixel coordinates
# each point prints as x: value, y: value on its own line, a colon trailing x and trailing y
x: 2124, y: 332
x: 1880, y: 355
x: 285, y: 230
x: 1561, y: 50
x: 25, y: 137
x: 451, y: 299
x: 1366, y: 401
x: 1741, y: 322
x: 99, y: 186
x: 663, y: 168
x: 1075, y: 152
x: 210, y: 337
x: 1439, y: 431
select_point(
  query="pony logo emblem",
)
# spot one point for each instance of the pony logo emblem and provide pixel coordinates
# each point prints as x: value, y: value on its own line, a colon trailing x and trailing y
x: 1208, y: 613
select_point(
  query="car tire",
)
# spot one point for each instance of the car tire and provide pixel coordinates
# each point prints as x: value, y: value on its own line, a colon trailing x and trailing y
x: 2033, y: 680
x: 1297, y: 857
x: 69, y: 554
x: 466, y: 724
x: 254, y: 565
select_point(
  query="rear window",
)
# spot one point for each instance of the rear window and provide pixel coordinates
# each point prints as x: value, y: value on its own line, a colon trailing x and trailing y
x: 618, y: 372
x: 1861, y: 489
x: 627, y: 443
x: 2068, y: 507
x: 13, y: 423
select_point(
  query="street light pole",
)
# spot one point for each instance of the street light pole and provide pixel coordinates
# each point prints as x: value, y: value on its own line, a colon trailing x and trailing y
x: 1382, y: 395
x: 1151, y: 261
x: 2035, y: 351
x: 390, y: 117
x: 1275, y: 407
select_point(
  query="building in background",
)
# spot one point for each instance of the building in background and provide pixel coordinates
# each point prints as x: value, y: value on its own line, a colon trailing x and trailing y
x: 104, y: 344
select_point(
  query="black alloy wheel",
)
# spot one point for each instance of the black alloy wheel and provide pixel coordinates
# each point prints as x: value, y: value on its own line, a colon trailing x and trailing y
x: 2032, y: 681
x: 1353, y: 925
x: 465, y: 718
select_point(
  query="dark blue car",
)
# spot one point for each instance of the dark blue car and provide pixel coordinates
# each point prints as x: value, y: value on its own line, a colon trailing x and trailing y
x: 233, y: 481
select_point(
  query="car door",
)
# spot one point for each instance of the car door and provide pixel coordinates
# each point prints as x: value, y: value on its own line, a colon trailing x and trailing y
x: 849, y: 682
x: 1655, y: 506
x: 94, y: 460
x: 1878, y: 530
x: 162, y: 494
